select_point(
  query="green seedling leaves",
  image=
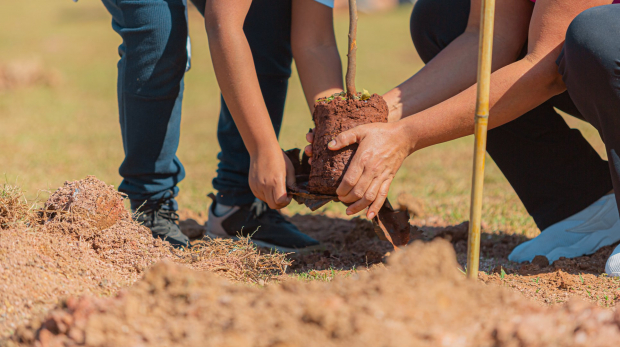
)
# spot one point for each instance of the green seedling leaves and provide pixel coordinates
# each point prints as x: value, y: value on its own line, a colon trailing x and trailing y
x: 365, y: 94
x: 502, y: 273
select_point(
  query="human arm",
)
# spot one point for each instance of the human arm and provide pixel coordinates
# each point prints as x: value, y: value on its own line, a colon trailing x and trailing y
x: 236, y: 76
x: 453, y: 69
x: 515, y: 89
x: 314, y: 48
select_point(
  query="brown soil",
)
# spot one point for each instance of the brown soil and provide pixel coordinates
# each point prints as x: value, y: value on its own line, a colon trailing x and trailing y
x: 330, y: 119
x: 84, y: 242
x: 420, y: 299
x: 351, y: 244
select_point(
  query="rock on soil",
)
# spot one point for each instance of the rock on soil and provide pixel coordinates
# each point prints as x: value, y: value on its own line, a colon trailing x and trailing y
x: 331, y: 118
x: 419, y: 299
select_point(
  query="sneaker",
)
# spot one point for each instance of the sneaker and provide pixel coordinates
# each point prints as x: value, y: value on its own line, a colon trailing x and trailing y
x: 598, y: 225
x: 163, y: 222
x: 264, y: 226
x: 612, y: 267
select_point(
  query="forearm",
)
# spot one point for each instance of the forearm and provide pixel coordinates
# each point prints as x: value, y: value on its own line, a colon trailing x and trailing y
x: 314, y: 48
x: 236, y: 76
x: 453, y: 69
x: 515, y: 89
x: 320, y: 72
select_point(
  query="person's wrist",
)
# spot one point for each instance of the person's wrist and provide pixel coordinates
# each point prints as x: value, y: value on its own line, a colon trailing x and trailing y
x: 267, y: 150
x: 395, y: 108
x: 408, y: 137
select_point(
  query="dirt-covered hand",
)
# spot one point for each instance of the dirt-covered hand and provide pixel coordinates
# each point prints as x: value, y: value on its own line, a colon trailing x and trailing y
x: 270, y: 173
x: 382, y: 149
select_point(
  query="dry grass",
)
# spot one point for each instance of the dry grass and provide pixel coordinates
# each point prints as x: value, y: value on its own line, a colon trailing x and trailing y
x: 14, y: 208
x: 238, y: 260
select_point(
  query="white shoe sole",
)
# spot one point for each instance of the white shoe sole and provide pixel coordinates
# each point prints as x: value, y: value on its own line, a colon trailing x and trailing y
x: 612, y: 267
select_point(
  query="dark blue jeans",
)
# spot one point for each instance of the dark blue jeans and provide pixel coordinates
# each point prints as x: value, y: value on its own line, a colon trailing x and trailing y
x: 154, y: 58
x: 553, y: 169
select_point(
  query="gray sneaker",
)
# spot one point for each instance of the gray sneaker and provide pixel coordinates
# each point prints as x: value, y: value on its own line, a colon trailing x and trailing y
x: 164, y: 224
x: 265, y: 227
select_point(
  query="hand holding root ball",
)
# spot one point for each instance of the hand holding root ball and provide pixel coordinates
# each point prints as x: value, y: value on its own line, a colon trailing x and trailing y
x: 382, y: 149
x: 270, y: 173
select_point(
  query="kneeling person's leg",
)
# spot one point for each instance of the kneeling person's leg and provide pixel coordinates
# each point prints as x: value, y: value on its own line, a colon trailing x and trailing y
x: 590, y: 66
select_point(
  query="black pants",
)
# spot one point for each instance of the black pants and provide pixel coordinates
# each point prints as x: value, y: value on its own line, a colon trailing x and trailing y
x: 553, y: 169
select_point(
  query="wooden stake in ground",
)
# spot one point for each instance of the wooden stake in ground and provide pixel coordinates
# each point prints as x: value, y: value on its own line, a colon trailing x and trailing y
x: 485, y: 50
x: 351, y: 61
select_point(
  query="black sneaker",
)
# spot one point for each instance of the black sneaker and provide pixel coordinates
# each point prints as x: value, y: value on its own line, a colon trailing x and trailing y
x: 265, y: 227
x: 163, y: 222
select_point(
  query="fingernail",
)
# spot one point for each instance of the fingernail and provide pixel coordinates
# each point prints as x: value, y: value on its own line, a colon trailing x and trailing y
x: 371, y: 215
x: 331, y: 144
x: 349, y: 213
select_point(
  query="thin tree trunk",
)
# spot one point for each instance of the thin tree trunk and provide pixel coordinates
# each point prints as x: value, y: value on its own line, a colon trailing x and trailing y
x: 351, y: 63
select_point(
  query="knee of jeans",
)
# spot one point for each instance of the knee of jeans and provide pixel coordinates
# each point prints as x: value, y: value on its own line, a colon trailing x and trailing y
x: 155, y: 58
x: 588, y: 37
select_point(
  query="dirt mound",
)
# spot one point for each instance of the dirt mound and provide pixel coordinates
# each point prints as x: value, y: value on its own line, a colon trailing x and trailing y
x: 419, y: 299
x: 84, y: 242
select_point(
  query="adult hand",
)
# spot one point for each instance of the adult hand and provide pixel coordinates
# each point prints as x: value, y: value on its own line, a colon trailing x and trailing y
x: 382, y: 149
x: 270, y: 173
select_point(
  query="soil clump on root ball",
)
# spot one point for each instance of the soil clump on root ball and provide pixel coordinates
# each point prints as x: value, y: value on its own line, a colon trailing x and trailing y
x: 419, y: 299
x: 332, y: 117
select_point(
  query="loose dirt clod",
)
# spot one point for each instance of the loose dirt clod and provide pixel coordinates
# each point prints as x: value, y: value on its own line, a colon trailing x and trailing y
x: 420, y: 299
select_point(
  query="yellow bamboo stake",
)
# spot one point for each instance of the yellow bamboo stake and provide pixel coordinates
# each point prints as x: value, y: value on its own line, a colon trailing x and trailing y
x: 485, y: 50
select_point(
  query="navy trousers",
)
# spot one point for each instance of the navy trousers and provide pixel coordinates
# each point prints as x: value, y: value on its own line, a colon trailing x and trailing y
x: 154, y: 56
x: 553, y: 169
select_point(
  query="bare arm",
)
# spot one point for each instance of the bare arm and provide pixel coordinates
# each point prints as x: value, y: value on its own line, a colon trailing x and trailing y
x: 515, y: 89
x: 315, y: 51
x: 454, y: 68
x: 236, y: 76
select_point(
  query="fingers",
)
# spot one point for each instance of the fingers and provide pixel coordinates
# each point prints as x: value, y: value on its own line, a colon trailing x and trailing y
x: 290, y: 171
x: 359, y: 189
x: 279, y: 195
x: 353, y: 174
x: 308, y: 150
x: 346, y: 138
x: 310, y: 135
x: 380, y: 199
x: 368, y: 198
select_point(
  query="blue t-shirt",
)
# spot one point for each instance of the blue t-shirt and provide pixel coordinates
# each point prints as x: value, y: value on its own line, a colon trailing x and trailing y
x: 329, y: 3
